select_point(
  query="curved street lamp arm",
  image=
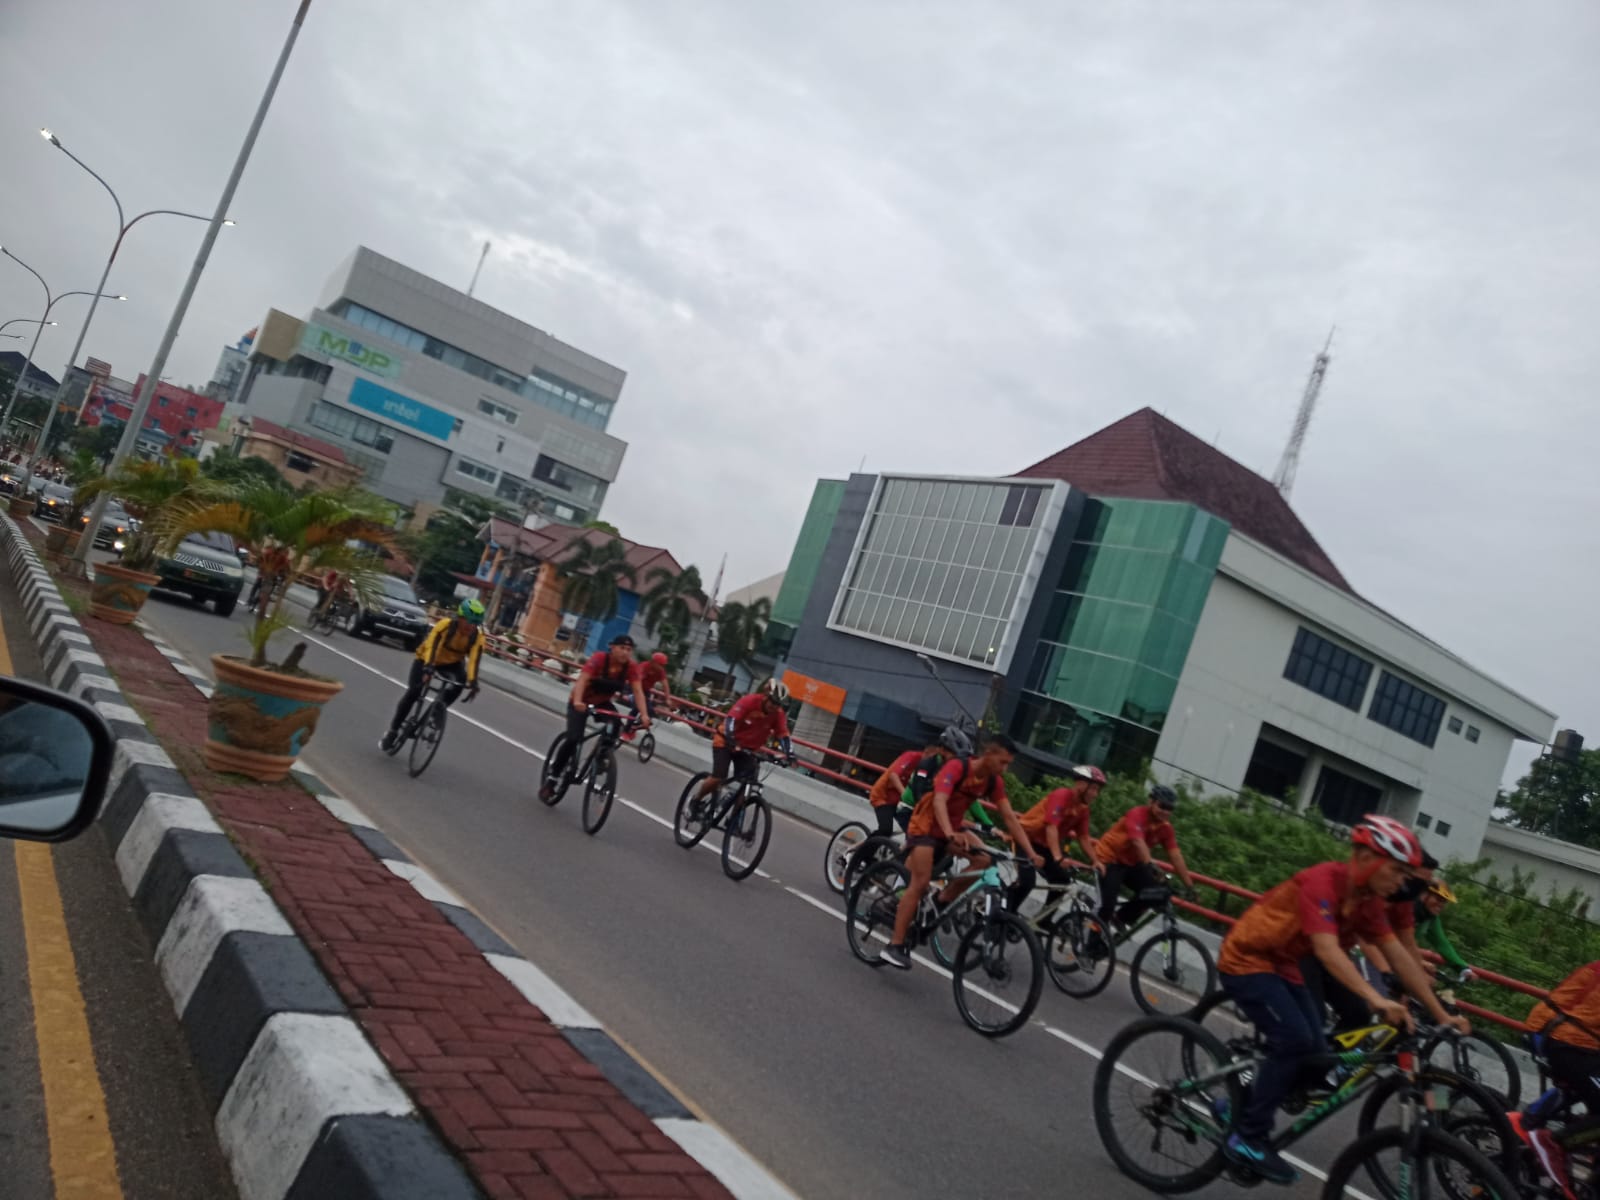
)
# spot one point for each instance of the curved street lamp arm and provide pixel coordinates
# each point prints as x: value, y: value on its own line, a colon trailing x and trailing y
x: 48, y: 301
x: 167, y: 212
x: 56, y: 142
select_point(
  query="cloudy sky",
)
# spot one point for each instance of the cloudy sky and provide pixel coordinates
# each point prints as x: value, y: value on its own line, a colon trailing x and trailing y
x: 921, y: 234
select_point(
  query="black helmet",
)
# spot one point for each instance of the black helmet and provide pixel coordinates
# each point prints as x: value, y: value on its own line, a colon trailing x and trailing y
x: 955, y: 739
x: 1163, y: 797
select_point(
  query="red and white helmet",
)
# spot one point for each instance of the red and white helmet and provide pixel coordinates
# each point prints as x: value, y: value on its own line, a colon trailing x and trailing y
x: 1388, y: 837
x: 1092, y: 774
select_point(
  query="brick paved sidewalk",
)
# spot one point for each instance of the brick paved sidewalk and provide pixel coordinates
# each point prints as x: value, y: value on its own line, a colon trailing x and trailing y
x: 530, y: 1115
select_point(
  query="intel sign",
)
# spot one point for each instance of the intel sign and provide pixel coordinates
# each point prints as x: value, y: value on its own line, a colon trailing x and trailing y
x: 317, y: 339
x: 402, y: 410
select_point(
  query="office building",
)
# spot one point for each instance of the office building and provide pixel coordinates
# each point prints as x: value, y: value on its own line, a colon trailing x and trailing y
x: 1139, y: 596
x: 427, y: 389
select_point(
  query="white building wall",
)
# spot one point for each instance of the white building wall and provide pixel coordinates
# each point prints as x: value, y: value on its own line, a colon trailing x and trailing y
x: 1559, y: 866
x: 1233, y: 683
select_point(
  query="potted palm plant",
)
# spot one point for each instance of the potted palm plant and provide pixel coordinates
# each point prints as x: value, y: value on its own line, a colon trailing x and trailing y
x: 263, y: 713
x: 63, y: 538
x: 148, y: 490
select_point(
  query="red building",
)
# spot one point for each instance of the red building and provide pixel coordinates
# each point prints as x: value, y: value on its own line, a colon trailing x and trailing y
x: 177, y: 412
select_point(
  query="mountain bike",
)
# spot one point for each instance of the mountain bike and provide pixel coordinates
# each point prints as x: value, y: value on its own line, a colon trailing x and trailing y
x: 996, y: 965
x: 329, y: 616
x: 597, y: 772
x: 645, y: 746
x: 1172, y: 970
x: 1167, y: 1092
x: 423, y: 726
x: 738, y: 808
x: 1077, y: 954
x: 840, y: 849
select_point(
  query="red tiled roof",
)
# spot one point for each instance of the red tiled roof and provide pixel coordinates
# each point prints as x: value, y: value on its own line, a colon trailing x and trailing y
x: 555, y: 543
x: 315, y: 445
x: 1144, y: 456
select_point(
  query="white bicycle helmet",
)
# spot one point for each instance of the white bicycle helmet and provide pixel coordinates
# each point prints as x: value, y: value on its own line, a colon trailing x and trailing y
x: 1388, y: 837
x: 777, y: 690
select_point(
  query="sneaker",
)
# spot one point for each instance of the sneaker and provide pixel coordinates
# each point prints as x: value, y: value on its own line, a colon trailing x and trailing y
x: 386, y: 742
x: 1552, y: 1157
x: 897, y: 957
x: 1258, y: 1158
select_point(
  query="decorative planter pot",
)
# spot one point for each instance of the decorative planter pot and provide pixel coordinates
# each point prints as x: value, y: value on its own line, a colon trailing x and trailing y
x: 259, y: 721
x: 21, y: 506
x: 117, y: 594
x: 62, y: 541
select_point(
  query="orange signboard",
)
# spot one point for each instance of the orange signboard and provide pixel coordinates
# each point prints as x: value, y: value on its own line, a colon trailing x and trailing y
x: 825, y: 696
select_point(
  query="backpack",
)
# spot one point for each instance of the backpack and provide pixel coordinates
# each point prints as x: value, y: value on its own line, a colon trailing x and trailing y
x: 922, y: 781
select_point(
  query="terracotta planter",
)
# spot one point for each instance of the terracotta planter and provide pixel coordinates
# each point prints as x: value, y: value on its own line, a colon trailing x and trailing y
x: 62, y: 541
x: 117, y: 594
x: 21, y: 506
x: 259, y: 721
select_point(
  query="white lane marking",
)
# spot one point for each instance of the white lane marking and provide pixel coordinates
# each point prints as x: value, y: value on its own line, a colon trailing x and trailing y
x: 543, y: 992
x: 455, y: 712
x: 704, y: 844
x: 714, y: 1150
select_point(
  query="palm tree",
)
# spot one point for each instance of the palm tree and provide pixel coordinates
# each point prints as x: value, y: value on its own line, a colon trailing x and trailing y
x: 740, y: 628
x: 594, y: 573
x: 147, y: 490
x: 670, y: 599
x: 311, y: 531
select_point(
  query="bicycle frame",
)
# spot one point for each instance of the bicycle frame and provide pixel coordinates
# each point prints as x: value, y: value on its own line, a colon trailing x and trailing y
x: 608, y: 730
x: 433, y: 689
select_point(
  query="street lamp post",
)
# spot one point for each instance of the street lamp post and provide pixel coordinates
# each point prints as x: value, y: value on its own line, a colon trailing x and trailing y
x: 50, y: 302
x: 141, y: 403
x: 83, y: 332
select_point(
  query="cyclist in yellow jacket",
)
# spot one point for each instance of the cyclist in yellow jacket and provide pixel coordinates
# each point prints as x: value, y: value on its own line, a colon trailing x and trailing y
x: 452, y: 648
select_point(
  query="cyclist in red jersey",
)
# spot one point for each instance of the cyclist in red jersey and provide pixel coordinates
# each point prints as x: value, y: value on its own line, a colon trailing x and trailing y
x: 606, y: 673
x: 1059, y: 819
x: 751, y: 723
x: 652, y: 675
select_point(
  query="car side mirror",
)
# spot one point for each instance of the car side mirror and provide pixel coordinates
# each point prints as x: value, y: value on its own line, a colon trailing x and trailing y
x: 55, y: 761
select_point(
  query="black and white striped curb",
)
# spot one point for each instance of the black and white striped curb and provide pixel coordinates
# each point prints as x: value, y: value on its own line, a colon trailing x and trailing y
x: 304, y: 1108
x: 708, y: 1145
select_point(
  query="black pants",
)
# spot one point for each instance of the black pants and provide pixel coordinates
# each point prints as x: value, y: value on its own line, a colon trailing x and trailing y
x: 1574, y: 1069
x: 455, y: 672
x: 1027, y: 877
x: 1350, y: 1011
x: 577, y: 723
x: 1139, y: 877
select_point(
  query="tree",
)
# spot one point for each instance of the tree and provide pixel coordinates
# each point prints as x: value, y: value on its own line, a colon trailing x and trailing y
x: 594, y: 573
x: 227, y: 466
x: 670, y: 599
x: 99, y: 440
x: 1560, y: 799
x: 740, y: 628
x: 448, y: 543
x: 149, y: 490
x: 603, y: 527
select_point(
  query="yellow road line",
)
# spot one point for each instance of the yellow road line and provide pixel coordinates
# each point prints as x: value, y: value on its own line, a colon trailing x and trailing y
x: 83, y: 1160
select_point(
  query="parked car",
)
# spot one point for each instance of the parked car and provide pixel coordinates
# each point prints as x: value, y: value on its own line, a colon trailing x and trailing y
x: 205, y: 566
x: 55, y: 502
x: 10, y: 477
x: 399, y: 614
x: 115, y: 526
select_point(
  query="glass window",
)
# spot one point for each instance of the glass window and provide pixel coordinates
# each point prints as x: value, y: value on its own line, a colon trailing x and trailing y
x: 1406, y: 709
x: 1472, y: 733
x: 1455, y: 724
x: 476, y: 470
x: 1442, y: 828
x: 1424, y: 820
x: 500, y: 412
x: 1329, y: 670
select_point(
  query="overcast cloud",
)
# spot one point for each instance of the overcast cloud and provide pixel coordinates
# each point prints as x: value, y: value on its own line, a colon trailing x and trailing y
x: 930, y: 235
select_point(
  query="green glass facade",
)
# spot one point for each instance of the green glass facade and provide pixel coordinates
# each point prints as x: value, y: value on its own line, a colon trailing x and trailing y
x: 1117, y: 631
x: 801, y: 574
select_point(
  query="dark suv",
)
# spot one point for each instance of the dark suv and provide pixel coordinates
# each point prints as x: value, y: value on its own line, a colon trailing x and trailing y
x: 205, y: 566
x: 398, y: 614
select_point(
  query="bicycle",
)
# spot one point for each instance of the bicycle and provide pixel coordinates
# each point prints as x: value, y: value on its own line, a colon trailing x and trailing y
x: 329, y: 616
x: 1068, y: 926
x: 423, y: 726
x: 738, y: 808
x: 1185, y: 1100
x: 597, y: 772
x: 982, y: 963
x: 1184, y: 971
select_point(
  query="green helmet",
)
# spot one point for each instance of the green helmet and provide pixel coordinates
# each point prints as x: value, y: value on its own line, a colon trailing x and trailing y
x: 471, y: 609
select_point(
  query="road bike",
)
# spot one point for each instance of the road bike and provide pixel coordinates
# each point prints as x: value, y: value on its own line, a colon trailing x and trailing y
x: 597, y: 771
x: 423, y: 726
x: 995, y: 963
x: 1168, y: 1090
x: 738, y: 808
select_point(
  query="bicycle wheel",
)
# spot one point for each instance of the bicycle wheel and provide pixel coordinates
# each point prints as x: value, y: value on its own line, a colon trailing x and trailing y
x: 1080, y: 958
x: 841, y: 846
x: 691, y: 821
x: 998, y: 973
x: 646, y: 746
x: 1464, y: 1100
x: 558, y: 787
x: 871, y: 908
x: 1225, y: 1021
x: 1420, y: 1156
x: 1159, y: 1131
x: 1480, y: 1058
x: 1173, y: 981
x: 599, y: 791
x: 951, y: 928
x: 875, y: 849
x: 425, y: 743
x: 747, y: 832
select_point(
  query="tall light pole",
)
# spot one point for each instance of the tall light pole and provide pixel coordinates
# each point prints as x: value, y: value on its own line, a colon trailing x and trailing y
x: 51, y: 301
x: 25, y: 321
x: 122, y: 231
x: 141, y: 403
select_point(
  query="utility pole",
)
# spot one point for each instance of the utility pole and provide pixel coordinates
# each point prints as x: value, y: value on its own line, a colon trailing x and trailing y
x: 1290, y: 462
x: 473, y: 286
